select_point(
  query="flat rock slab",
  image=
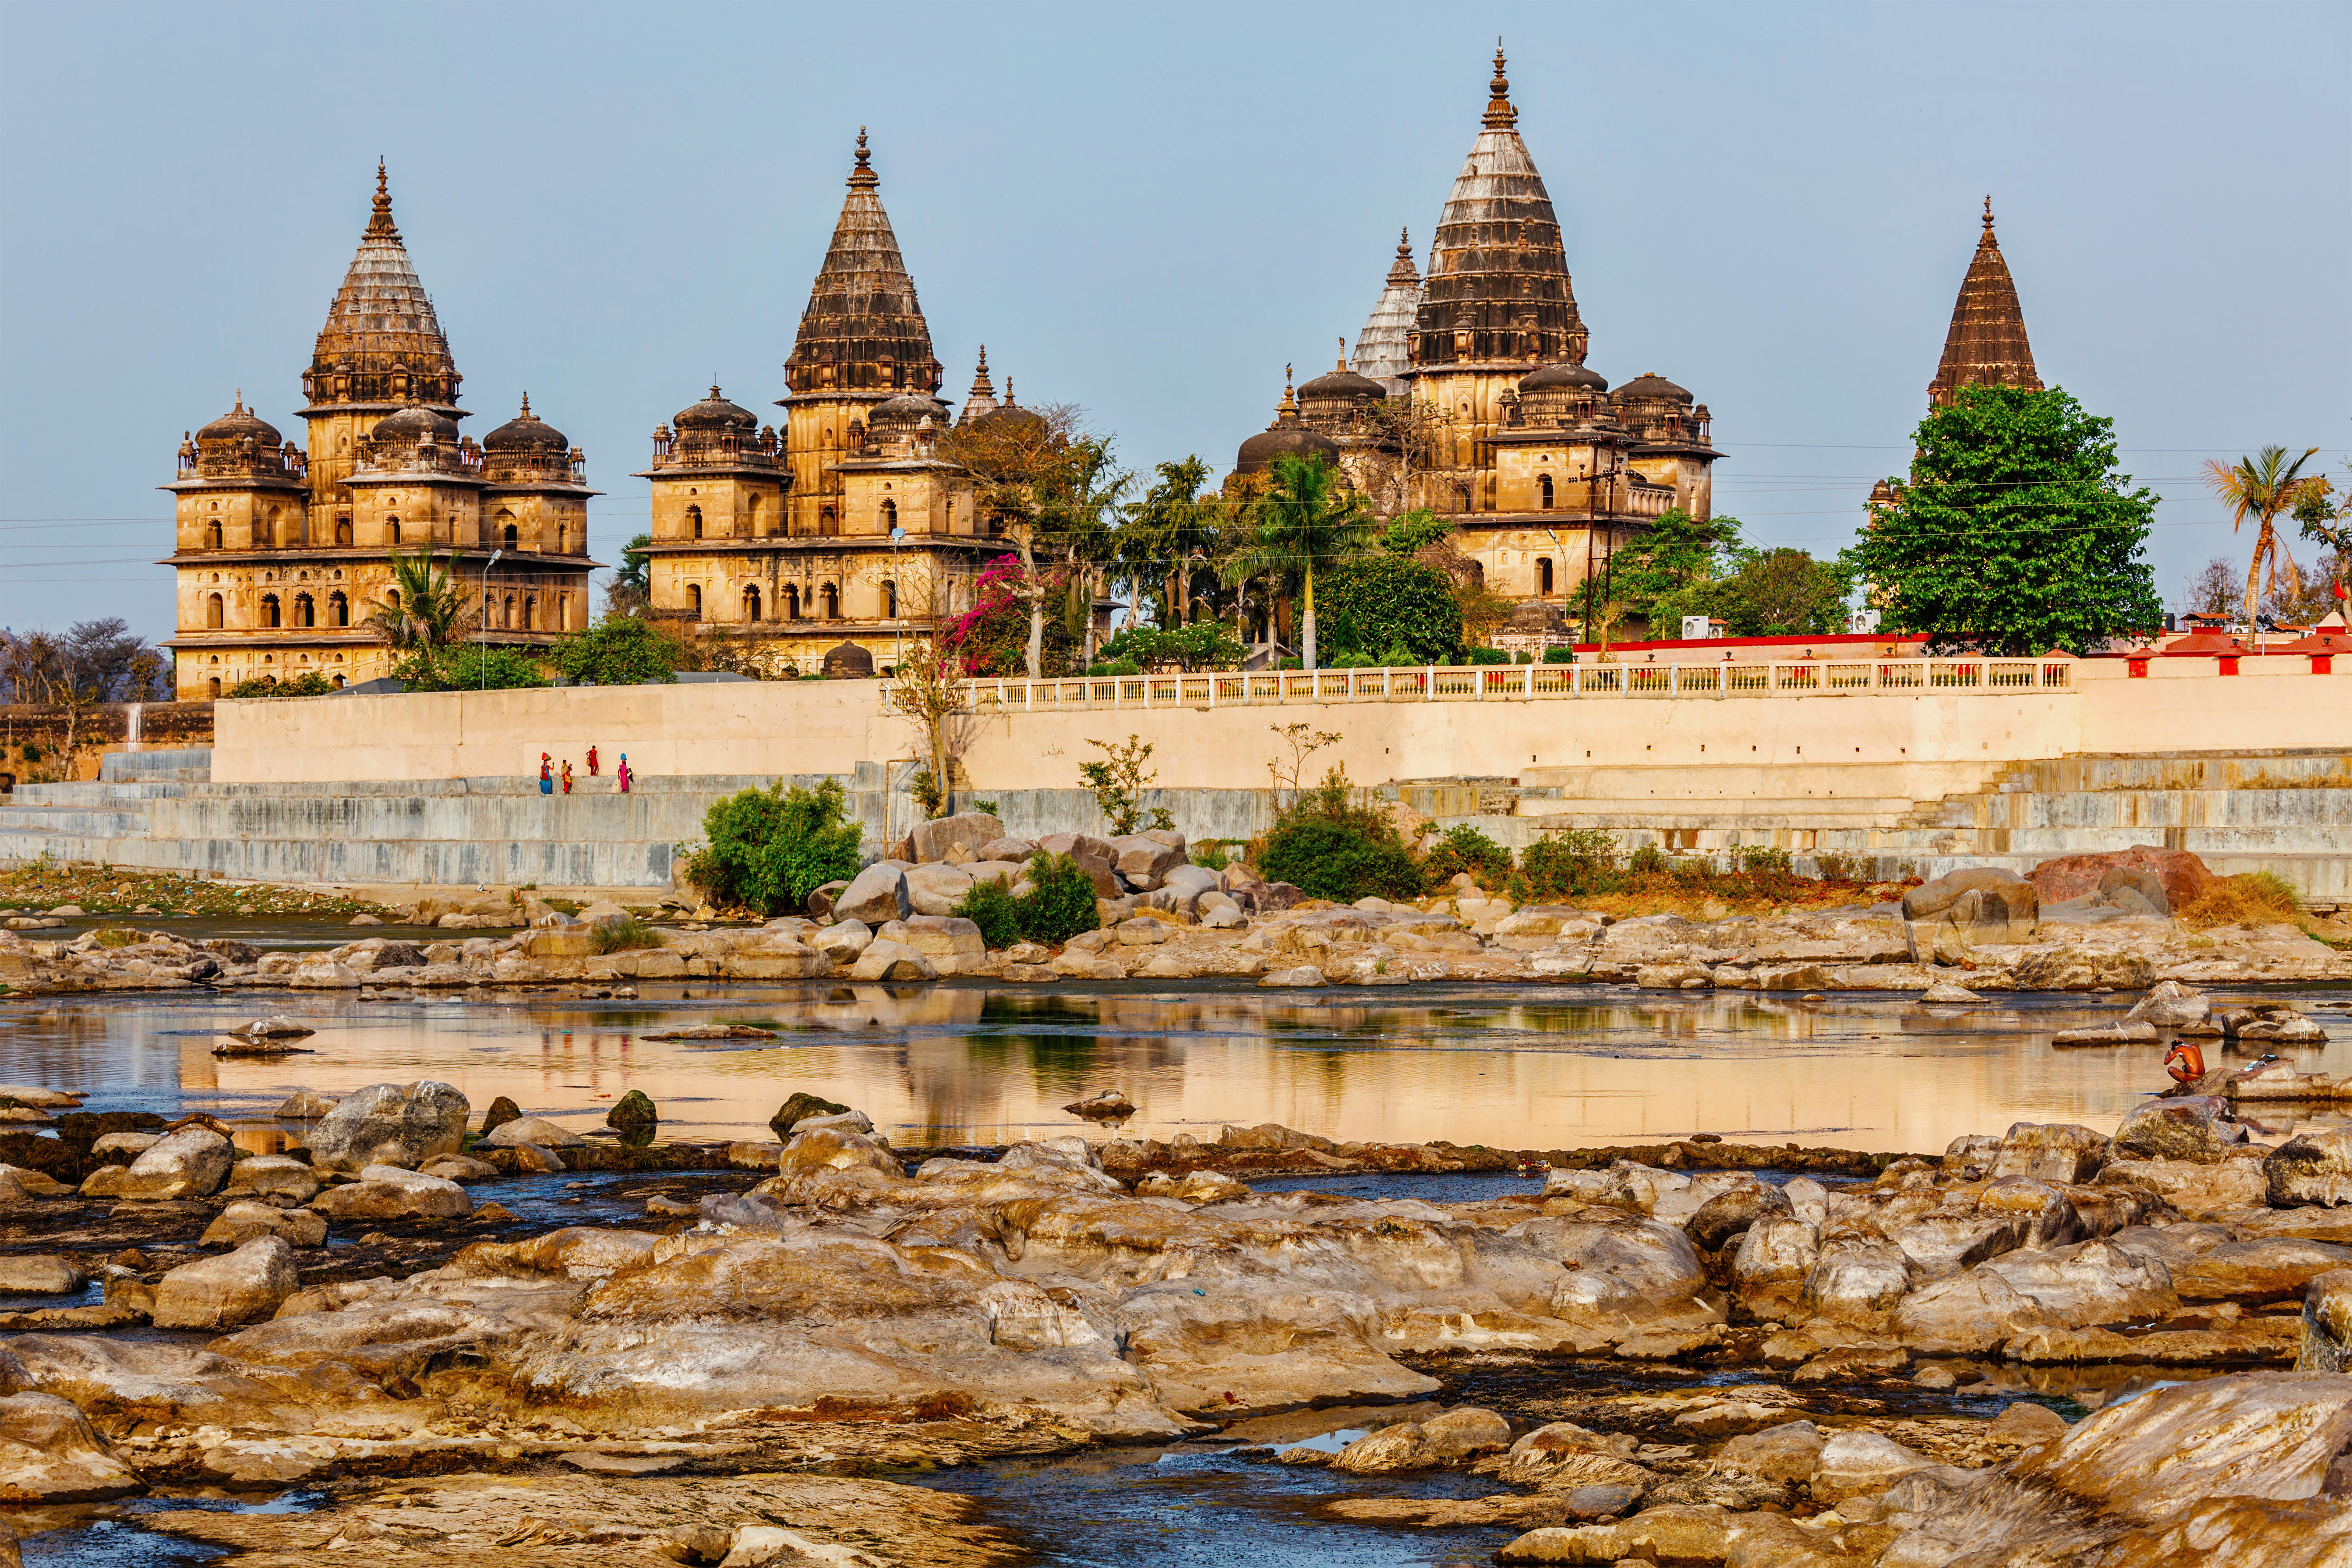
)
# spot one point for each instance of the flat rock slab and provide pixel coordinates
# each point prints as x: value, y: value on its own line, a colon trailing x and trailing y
x: 596, y: 1464
x: 714, y: 1032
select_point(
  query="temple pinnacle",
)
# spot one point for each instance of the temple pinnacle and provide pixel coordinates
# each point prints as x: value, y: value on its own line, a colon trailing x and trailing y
x: 1988, y: 216
x: 1500, y: 115
x: 380, y: 224
x: 863, y: 177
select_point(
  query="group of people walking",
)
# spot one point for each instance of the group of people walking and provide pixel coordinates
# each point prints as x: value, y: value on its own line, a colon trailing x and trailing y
x: 548, y: 775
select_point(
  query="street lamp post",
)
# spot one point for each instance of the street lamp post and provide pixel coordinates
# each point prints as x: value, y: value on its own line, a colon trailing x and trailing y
x: 897, y: 608
x: 483, y: 659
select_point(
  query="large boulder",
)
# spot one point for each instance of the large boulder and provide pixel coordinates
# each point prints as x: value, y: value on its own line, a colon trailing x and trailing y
x: 1769, y: 1269
x: 390, y: 1124
x: 944, y: 937
x: 1853, y: 1462
x: 1143, y: 861
x: 240, y: 1286
x: 892, y: 961
x: 246, y: 1221
x: 2179, y: 876
x: 189, y: 1164
x: 2193, y: 1127
x: 2195, y: 1190
x: 1623, y: 1273
x: 1973, y: 906
x: 2169, y: 1005
x: 536, y: 1131
x: 937, y: 888
x: 1857, y: 1277
x: 2276, y: 1268
x: 968, y: 830
x: 2311, y: 1168
x: 878, y: 893
x: 1789, y: 1452
x: 2058, y: 1152
x: 270, y: 1175
x: 390, y: 1191
x: 50, y: 1453
x: 2327, y: 1323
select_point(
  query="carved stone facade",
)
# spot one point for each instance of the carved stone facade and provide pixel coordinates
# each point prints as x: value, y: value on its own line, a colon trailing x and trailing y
x: 1545, y: 471
x: 843, y: 526
x: 281, y: 552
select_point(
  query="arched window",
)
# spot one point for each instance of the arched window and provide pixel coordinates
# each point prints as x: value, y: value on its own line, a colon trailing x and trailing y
x: 752, y: 520
x: 339, y: 683
x: 694, y: 520
x: 212, y: 535
x: 339, y: 610
x: 1543, y: 484
x: 828, y: 521
x: 305, y: 613
x: 392, y: 598
x: 213, y: 688
x: 531, y: 613
x: 889, y: 601
x: 1543, y: 563
x: 269, y: 610
x: 751, y: 603
x: 1462, y: 498
x: 508, y: 536
x: 562, y: 531
x: 489, y: 606
x: 264, y: 531
x: 694, y: 600
x: 342, y: 531
x: 831, y: 597
x: 393, y: 525
x: 506, y: 613
x: 792, y: 602
x: 215, y: 612
x: 889, y: 516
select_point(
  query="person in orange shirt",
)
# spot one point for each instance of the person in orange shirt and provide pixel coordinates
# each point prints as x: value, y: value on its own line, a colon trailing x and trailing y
x: 2185, y: 1062
x: 592, y: 762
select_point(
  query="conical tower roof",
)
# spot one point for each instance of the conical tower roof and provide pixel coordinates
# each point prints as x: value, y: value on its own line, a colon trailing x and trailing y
x: 1497, y: 272
x: 982, y: 400
x: 381, y: 343
x: 1986, y: 344
x: 863, y: 329
x: 1381, y: 350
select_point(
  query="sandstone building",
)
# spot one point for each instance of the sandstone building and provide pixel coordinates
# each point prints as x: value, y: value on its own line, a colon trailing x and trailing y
x: 836, y: 540
x: 281, y: 552
x: 1470, y: 394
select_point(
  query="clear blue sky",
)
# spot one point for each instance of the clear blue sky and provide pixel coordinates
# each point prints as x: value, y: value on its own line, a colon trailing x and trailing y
x: 1148, y: 211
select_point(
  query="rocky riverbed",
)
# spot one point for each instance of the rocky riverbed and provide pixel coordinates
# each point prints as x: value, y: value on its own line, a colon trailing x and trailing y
x: 2041, y: 1344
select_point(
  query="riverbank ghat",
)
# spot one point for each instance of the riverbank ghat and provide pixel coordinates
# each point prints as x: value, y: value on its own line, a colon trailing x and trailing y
x: 1910, y: 767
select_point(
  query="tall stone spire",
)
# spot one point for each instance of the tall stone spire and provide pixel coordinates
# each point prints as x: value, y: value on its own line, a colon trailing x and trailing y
x: 1382, y: 348
x: 382, y: 345
x: 1499, y: 289
x: 1986, y: 344
x: 981, y: 399
x: 864, y: 330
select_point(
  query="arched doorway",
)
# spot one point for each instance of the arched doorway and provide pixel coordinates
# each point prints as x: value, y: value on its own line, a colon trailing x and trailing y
x: 506, y: 613
x: 215, y: 612
x: 212, y: 688
x: 751, y: 603
x: 1543, y: 488
x: 508, y: 536
x: 889, y: 517
x: 531, y: 613
x: 342, y: 531
x: 889, y: 601
x: 792, y: 602
x: 339, y: 610
x: 694, y: 522
x: 305, y: 613
x: 1543, y: 575
x: 694, y: 600
x: 832, y: 598
x: 270, y: 614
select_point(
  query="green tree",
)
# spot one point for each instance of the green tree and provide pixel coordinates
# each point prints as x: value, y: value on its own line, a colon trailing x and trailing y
x: 470, y: 666
x: 1305, y: 520
x: 1204, y: 645
x: 1414, y: 532
x: 2014, y: 533
x: 2264, y: 488
x: 1118, y: 785
x: 1170, y: 537
x: 770, y: 849
x: 1662, y: 575
x: 1779, y: 593
x: 619, y: 650
x: 1377, y: 606
x: 631, y: 588
x: 420, y: 612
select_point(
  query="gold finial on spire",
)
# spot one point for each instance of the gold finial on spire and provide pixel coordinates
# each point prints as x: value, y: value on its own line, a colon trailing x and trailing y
x: 240, y: 400
x: 1343, y: 352
x: 1987, y: 217
x: 526, y: 405
x: 1500, y: 115
x: 380, y: 224
x: 863, y: 177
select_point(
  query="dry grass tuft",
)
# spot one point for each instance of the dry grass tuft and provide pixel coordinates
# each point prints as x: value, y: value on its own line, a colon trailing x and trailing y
x: 2252, y: 898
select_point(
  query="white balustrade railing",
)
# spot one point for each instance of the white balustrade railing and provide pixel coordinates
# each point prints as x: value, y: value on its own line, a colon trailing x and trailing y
x: 1519, y: 683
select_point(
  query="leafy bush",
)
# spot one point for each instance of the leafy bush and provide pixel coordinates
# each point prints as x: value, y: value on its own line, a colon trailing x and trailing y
x: 1567, y: 865
x: 1117, y: 784
x: 309, y: 683
x: 1205, y: 644
x: 1488, y: 655
x: 1115, y: 666
x: 1329, y: 847
x: 1376, y: 603
x: 469, y: 667
x: 1464, y: 848
x: 619, y: 650
x: 1557, y: 655
x: 1210, y: 855
x: 1060, y: 902
x: 770, y: 849
x: 622, y: 935
x: 992, y: 907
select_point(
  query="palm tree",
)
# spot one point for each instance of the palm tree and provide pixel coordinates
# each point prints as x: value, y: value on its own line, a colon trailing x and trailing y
x: 421, y: 610
x: 2264, y: 488
x: 1306, y: 518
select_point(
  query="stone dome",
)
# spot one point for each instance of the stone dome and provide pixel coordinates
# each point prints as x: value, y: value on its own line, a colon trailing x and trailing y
x: 1283, y: 438
x: 1342, y: 383
x: 1650, y: 384
x: 906, y: 411
x: 526, y: 432
x: 715, y: 412
x: 413, y: 424
x: 236, y: 425
x: 1574, y: 377
x: 848, y: 662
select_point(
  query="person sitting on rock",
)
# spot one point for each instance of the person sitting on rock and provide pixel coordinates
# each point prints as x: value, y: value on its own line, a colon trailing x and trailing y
x: 2185, y: 1062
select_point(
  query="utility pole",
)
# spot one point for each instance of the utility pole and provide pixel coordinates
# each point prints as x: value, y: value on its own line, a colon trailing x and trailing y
x: 484, y: 660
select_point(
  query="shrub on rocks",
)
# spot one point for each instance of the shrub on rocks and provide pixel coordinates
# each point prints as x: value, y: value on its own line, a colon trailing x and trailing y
x: 768, y: 849
x: 1335, y: 849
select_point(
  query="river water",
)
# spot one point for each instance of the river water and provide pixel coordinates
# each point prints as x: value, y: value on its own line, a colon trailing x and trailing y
x: 968, y: 1063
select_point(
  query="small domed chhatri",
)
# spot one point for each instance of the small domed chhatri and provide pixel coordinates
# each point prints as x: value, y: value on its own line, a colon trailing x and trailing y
x: 283, y: 553
x: 525, y: 432
x: 1287, y: 437
x: 715, y: 412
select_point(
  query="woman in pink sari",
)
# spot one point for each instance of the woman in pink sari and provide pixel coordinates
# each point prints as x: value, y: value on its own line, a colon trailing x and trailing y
x: 622, y: 772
